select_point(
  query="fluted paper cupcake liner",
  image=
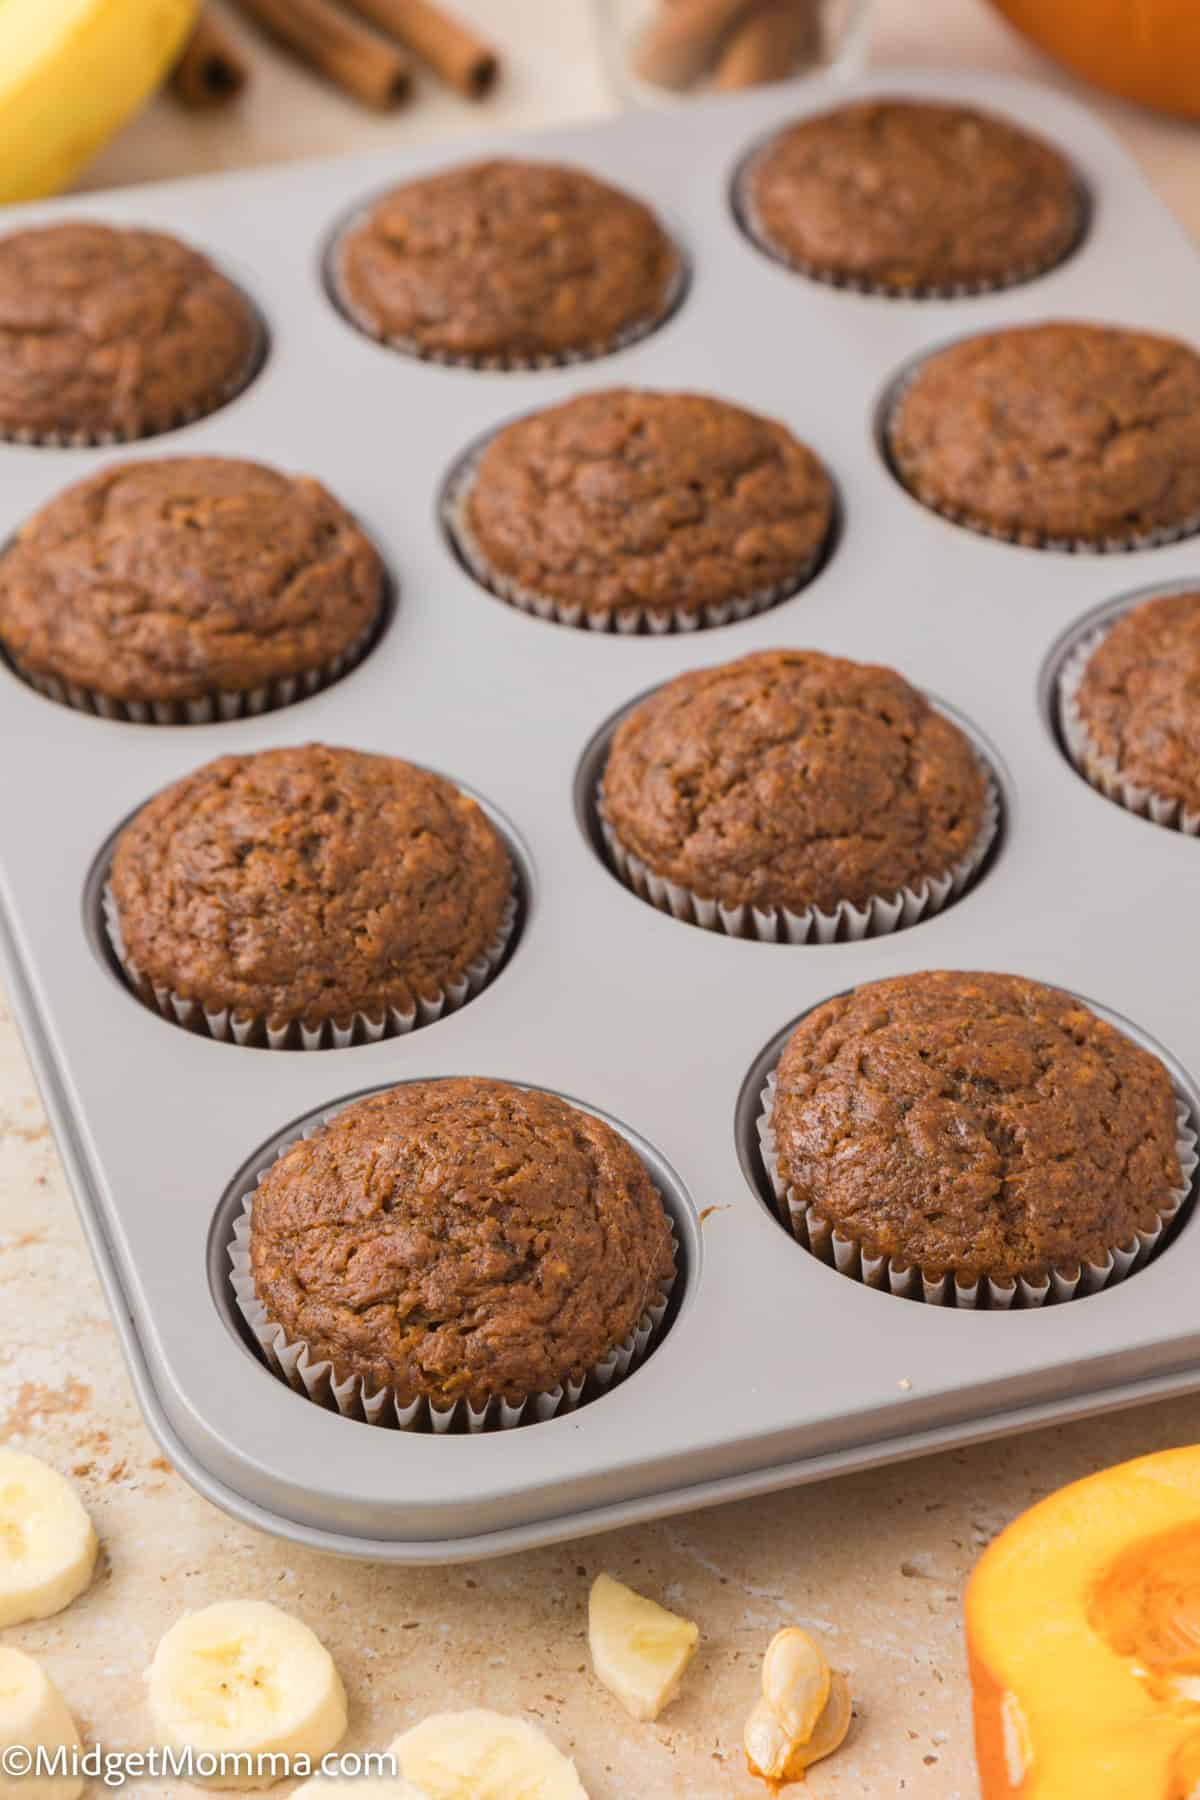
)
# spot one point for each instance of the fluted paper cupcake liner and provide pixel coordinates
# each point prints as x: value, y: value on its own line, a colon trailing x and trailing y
x: 1100, y: 770
x: 821, y: 1237
x: 1027, y: 538
x: 751, y: 222
x: 318, y: 1381
x: 228, y: 1026
x: 85, y: 440
x: 846, y: 922
x: 206, y: 709
x: 625, y: 620
x: 496, y: 363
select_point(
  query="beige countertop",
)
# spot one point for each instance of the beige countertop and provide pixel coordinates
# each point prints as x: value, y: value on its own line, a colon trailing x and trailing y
x: 874, y: 1564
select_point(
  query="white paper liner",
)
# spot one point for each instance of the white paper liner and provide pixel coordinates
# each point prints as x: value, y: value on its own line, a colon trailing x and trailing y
x: 1022, y: 535
x: 207, y: 709
x: 496, y: 363
x: 751, y: 222
x: 318, y: 1381
x: 229, y: 1027
x: 846, y: 923
x: 626, y: 620
x: 84, y: 440
x: 821, y: 1237
x: 1101, y: 771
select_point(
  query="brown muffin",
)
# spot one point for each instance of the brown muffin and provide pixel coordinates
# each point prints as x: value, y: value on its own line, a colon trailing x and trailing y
x: 981, y: 1125
x: 460, y: 1239
x: 665, y: 505
x: 1139, y: 699
x: 186, y: 579
x: 1056, y: 433
x: 505, y: 263
x: 792, y: 780
x: 909, y: 197
x: 309, y: 886
x: 110, y: 333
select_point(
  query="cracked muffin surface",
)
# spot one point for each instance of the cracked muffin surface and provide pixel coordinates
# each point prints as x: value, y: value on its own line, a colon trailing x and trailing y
x: 1139, y: 698
x: 308, y: 885
x: 112, y: 332
x: 666, y: 502
x: 1055, y: 432
x: 980, y: 1124
x: 460, y: 1238
x: 507, y: 260
x: 906, y: 195
x: 180, y: 578
x: 792, y: 779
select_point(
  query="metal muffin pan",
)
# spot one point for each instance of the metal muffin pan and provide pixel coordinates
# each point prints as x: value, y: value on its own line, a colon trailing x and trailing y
x: 775, y: 1369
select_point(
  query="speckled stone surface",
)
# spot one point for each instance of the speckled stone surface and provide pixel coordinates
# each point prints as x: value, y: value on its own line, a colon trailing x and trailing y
x: 874, y: 1565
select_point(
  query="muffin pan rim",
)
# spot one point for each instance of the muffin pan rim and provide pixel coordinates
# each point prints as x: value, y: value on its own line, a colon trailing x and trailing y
x: 150, y: 1124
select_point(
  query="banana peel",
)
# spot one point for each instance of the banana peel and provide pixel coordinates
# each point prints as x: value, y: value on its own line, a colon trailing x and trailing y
x: 71, y: 73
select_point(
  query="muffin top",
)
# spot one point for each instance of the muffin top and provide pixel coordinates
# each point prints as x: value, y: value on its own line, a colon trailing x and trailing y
x: 1140, y: 697
x: 309, y: 884
x: 506, y: 260
x: 978, y: 1124
x: 460, y: 1238
x: 177, y: 578
x: 791, y: 779
x: 1056, y: 431
x: 114, y: 333
x: 664, y: 502
x: 906, y: 195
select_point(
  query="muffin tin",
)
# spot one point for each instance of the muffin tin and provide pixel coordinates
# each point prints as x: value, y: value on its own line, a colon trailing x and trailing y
x: 774, y: 1369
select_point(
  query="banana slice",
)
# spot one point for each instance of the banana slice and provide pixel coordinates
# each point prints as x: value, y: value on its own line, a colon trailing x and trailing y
x: 34, y: 1714
x: 485, y: 1756
x: 242, y: 1677
x: 639, y: 1650
x: 47, y: 1545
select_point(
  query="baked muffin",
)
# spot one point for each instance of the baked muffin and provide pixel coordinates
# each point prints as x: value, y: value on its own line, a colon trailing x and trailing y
x: 459, y: 1240
x: 1056, y: 433
x: 1138, y: 703
x: 186, y: 587
x: 310, y: 888
x: 789, y: 780
x: 653, y: 507
x: 911, y: 197
x: 982, y: 1126
x: 506, y: 264
x: 108, y: 333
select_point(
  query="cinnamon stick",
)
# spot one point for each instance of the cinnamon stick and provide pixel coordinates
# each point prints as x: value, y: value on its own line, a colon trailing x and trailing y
x: 211, y: 69
x: 779, y: 37
x: 336, y: 46
x: 681, y: 42
x: 451, y: 49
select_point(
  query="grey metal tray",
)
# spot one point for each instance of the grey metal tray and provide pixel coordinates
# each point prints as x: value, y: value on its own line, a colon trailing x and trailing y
x: 776, y: 1369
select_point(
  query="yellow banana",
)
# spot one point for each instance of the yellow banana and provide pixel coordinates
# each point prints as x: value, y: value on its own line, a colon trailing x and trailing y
x: 71, y: 73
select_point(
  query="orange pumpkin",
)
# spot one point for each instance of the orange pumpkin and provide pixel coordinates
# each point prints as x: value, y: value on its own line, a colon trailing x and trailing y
x: 1083, y: 1640
x: 1144, y: 50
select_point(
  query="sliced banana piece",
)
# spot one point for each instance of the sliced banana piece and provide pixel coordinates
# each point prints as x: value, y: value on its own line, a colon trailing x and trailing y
x: 485, y: 1756
x: 47, y: 1545
x: 33, y: 1715
x: 640, y: 1651
x: 242, y: 1677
